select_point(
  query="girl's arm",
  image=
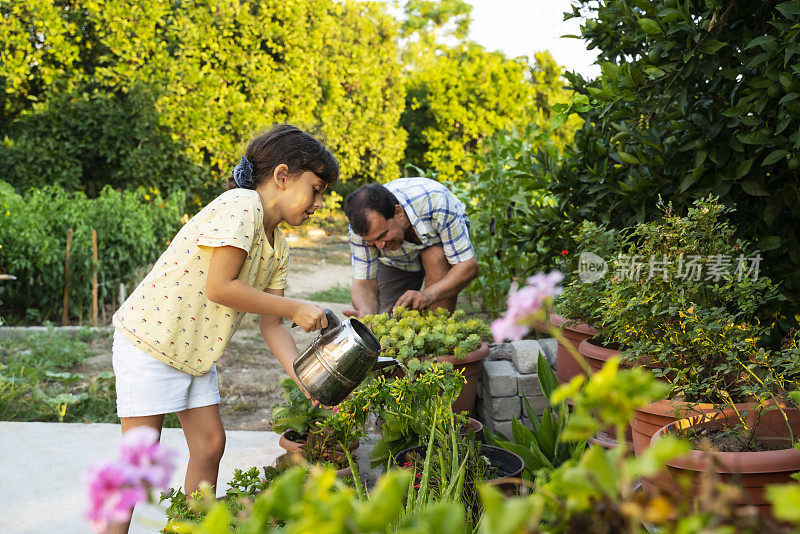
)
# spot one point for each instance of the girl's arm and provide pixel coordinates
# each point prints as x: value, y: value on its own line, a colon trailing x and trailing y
x: 224, y: 287
x: 278, y: 338
x: 280, y: 342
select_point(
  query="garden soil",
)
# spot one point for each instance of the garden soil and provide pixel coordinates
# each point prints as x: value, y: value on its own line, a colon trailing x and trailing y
x: 249, y: 375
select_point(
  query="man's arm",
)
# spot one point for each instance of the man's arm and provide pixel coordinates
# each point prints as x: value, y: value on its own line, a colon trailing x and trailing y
x: 365, y: 297
x: 448, y: 286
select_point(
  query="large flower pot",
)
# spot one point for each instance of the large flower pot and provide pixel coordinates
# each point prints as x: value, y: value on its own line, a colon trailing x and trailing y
x: 752, y: 471
x: 648, y: 419
x: 566, y: 366
x: 470, y: 366
x: 596, y: 356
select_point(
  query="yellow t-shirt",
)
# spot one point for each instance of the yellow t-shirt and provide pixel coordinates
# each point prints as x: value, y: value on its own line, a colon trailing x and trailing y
x: 168, y: 315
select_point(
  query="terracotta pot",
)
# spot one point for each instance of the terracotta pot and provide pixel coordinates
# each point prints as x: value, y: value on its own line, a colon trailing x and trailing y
x: 470, y: 366
x: 752, y: 471
x: 596, y: 355
x: 295, y: 458
x: 566, y: 366
x: 648, y: 419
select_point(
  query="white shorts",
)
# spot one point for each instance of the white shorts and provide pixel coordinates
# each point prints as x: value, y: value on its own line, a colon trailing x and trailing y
x: 147, y: 386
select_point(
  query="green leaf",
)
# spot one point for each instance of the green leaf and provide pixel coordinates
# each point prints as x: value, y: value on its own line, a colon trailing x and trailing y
x: 784, y: 499
x: 754, y: 187
x: 713, y: 45
x: 774, y: 157
x: 789, y: 9
x: 628, y: 158
x: 547, y: 378
x: 744, y: 167
x: 649, y: 26
x: 762, y: 41
x: 769, y: 243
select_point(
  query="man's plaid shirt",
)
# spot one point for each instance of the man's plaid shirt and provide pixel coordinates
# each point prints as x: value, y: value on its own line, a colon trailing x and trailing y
x: 438, y: 218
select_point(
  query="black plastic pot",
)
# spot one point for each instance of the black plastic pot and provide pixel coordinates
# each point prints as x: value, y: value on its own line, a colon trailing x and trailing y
x: 508, y: 464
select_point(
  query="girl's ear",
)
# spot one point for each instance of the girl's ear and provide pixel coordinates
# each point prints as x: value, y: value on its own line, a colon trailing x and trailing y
x: 280, y: 175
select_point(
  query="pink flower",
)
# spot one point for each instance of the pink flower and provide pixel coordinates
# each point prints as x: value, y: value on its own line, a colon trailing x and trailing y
x: 525, y: 304
x: 112, y: 493
x: 140, y: 448
x: 116, y: 487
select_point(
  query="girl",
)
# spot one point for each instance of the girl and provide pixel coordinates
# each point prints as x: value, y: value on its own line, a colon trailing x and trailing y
x: 228, y: 260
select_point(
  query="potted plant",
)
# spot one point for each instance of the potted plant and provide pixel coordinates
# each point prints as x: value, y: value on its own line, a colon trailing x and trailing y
x: 762, y: 452
x: 578, y: 309
x: 294, y: 418
x: 685, y: 303
x: 405, y: 406
x: 410, y: 334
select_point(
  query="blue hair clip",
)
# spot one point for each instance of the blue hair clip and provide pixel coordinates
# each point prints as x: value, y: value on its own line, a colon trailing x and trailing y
x: 243, y: 174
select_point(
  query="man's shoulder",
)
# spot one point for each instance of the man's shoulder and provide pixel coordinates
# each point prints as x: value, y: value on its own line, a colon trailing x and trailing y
x: 418, y: 182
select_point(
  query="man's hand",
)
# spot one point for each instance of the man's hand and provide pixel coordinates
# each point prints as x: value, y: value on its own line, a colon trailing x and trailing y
x: 354, y: 313
x: 415, y: 300
x: 309, y: 317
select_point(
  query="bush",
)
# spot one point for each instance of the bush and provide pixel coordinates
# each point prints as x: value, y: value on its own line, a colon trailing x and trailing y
x: 133, y: 228
x: 213, y: 73
x: 695, y: 98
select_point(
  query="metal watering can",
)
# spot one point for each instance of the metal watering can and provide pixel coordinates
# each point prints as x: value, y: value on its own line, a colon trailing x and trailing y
x: 339, y: 359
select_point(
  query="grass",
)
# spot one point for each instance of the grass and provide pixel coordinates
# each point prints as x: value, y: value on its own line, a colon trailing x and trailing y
x: 38, y: 382
x: 337, y: 293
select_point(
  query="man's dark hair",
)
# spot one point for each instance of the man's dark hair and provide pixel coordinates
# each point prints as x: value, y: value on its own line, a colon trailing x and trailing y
x: 373, y: 197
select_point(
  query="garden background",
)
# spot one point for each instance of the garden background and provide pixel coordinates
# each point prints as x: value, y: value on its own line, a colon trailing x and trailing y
x: 141, y: 108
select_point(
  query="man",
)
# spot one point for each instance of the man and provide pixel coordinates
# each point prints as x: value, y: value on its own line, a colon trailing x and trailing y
x: 409, y: 231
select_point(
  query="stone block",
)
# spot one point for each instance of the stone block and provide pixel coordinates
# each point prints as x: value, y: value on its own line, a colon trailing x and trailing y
x: 528, y: 385
x: 549, y: 347
x: 537, y: 402
x: 499, y: 379
x: 502, y: 408
x: 499, y: 351
x: 525, y: 355
x: 504, y: 427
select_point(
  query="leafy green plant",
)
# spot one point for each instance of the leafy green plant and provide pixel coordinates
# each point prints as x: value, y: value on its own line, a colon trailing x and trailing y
x: 44, y: 216
x: 541, y: 446
x: 297, y: 413
x: 580, y: 301
x: 407, y: 334
x: 698, y: 326
x: 689, y: 103
x: 407, y: 406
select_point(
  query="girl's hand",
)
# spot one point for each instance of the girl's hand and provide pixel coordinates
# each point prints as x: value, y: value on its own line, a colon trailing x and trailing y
x: 309, y: 317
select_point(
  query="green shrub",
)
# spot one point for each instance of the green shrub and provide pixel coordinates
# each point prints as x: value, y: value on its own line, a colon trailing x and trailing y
x: 695, y: 98
x: 133, y: 228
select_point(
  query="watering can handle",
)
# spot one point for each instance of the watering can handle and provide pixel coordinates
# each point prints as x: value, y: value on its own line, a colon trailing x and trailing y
x: 333, y: 322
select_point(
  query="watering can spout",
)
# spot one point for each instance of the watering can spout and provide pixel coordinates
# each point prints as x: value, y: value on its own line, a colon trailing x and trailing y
x: 384, y: 362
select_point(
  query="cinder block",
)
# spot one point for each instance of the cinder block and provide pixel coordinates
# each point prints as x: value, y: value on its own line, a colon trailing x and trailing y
x: 537, y: 402
x: 499, y: 378
x: 528, y: 385
x: 500, y: 351
x: 502, y: 408
x: 549, y: 347
x: 525, y: 355
x: 504, y: 427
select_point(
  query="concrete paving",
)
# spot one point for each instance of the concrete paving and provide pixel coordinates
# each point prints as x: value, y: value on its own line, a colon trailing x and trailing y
x: 42, y: 464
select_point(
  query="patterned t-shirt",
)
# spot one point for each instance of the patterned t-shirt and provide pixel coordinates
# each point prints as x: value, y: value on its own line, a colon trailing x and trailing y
x: 169, y: 316
x: 436, y: 215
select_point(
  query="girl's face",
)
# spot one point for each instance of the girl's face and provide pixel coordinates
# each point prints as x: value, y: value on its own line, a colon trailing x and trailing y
x: 302, y: 197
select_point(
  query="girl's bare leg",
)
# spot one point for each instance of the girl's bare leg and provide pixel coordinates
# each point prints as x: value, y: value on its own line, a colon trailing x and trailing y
x: 205, y: 437
x: 153, y: 421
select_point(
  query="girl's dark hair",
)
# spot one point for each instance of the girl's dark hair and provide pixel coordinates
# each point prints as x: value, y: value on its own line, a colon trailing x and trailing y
x: 368, y: 197
x: 288, y: 144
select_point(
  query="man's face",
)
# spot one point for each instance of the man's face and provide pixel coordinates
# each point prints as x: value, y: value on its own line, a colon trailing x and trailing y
x: 385, y: 233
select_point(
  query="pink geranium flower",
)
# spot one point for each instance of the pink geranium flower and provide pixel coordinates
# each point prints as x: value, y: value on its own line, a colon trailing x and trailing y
x: 116, y: 487
x: 140, y: 448
x: 113, y: 491
x: 526, y: 305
